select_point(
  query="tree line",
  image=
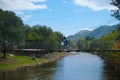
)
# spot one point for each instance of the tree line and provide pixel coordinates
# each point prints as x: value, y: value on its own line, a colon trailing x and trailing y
x: 111, y: 41
x: 15, y: 34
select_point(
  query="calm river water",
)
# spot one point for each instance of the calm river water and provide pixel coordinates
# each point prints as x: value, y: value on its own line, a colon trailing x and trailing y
x: 76, y: 66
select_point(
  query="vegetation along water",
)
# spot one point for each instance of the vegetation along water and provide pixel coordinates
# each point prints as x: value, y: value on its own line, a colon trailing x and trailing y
x: 16, y: 36
x: 76, y: 66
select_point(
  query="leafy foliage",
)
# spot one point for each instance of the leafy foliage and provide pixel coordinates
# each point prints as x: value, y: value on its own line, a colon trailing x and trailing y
x: 19, y: 35
x: 42, y: 37
x: 97, y: 33
x: 10, y: 26
x: 116, y: 12
x: 106, y: 42
x: 111, y: 41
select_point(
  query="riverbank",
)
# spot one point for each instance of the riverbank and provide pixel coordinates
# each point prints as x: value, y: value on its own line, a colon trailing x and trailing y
x: 112, y: 59
x: 13, y: 62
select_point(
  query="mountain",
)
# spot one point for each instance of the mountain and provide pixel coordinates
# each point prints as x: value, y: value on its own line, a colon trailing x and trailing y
x: 80, y: 34
x: 97, y: 33
x: 101, y: 31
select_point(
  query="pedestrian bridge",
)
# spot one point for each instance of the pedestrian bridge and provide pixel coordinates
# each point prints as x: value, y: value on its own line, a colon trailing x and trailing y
x: 91, y: 50
x: 66, y: 50
x: 41, y: 52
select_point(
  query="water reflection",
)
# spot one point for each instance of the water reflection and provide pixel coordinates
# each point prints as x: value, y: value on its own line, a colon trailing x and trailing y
x: 43, y: 72
x: 110, y: 74
x: 82, y: 66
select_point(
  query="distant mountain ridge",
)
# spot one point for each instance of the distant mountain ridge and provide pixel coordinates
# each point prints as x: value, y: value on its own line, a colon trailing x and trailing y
x: 101, y: 31
x: 80, y: 34
x: 97, y: 33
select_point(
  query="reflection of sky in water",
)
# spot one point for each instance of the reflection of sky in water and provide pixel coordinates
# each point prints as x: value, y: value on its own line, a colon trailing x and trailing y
x: 80, y: 67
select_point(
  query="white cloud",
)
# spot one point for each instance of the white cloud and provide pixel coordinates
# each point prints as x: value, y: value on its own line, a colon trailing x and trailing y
x: 89, y: 29
x: 19, y: 6
x: 37, y: 0
x: 96, y: 5
x: 22, y: 5
x: 26, y: 17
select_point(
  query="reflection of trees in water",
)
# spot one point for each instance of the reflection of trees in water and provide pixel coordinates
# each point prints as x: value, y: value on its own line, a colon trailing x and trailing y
x: 110, y: 74
x: 43, y: 72
x: 18, y: 74
x: 49, y: 72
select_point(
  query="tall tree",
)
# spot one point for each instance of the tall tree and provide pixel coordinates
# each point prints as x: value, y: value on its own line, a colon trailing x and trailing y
x: 10, y: 25
x: 116, y: 12
x: 10, y: 28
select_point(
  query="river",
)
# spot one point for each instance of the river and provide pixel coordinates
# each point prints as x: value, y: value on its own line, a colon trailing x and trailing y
x: 76, y: 66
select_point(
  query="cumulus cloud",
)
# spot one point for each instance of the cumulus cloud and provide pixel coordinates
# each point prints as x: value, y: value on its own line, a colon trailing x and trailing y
x: 96, y: 5
x: 19, y: 6
x: 22, y: 5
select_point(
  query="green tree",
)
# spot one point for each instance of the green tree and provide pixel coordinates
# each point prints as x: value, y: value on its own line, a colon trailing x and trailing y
x: 42, y: 37
x: 11, y: 28
x: 116, y: 12
x: 54, y: 41
x: 81, y: 43
x: 10, y: 25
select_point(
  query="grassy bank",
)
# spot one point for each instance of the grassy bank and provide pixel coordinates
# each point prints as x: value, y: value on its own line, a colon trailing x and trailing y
x: 113, y: 59
x: 13, y: 62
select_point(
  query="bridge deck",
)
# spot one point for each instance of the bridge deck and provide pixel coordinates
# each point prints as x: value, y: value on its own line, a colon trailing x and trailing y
x: 23, y: 49
x: 64, y: 50
x: 109, y: 50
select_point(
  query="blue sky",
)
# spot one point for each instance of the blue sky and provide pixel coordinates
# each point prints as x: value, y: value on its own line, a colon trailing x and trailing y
x: 65, y: 16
